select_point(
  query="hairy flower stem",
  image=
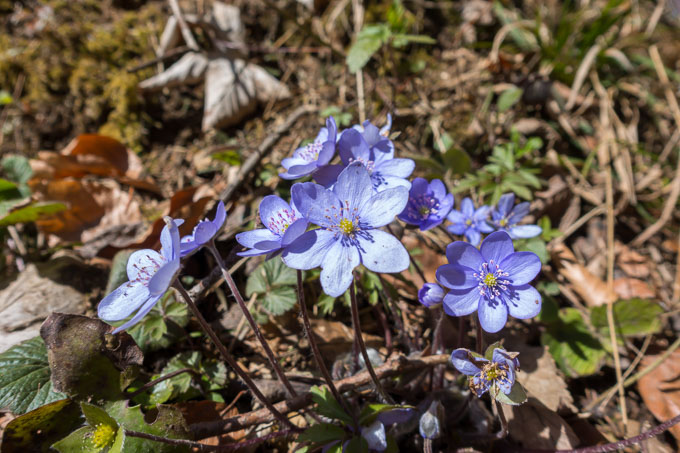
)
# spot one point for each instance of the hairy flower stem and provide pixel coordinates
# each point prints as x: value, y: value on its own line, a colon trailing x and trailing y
x: 502, y: 434
x: 258, y: 333
x: 479, y: 337
x: 427, y: 446
x: 362, y: 346
x: 315, y: 349
x: 437, y: 346
x: 229, y: 359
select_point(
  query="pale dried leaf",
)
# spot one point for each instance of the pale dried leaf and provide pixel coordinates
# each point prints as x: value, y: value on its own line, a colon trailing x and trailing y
x: 227, y: 18
x: 592, y: 290
x: 659, y: 389
x: 232, y: 90
x: 535, y: 426
x: 631, y: 288
x: 190, y: 69
x: 541, y: 379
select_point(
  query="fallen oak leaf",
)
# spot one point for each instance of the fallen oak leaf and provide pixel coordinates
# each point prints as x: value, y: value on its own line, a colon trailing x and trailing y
x: 659, y: 389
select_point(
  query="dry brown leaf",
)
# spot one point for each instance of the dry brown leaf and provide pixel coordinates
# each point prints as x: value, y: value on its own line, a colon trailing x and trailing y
x: 335, y: 337
x: 660, y: 391
x: 541, y: 379
x: 630, y: 288
x: 592, y: 290
x: 632, y: 263
x: 535, y: 426
x: 92, y: 206
x: 195, y: 412
x: 92, y: 154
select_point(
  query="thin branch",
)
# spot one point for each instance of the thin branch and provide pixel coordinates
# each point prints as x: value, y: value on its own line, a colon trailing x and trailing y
x: 393, y: 367
x: 184, y: 28
x: 197, y: 446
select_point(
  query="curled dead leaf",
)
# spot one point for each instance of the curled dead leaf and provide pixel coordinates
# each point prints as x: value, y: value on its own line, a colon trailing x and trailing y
x: 535, y: 426
x: 659, y: 389
x: 592, y: 290
x: 631, y: 288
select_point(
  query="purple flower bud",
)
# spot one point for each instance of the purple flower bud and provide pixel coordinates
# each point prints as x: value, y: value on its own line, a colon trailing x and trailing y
x: 431, y: 294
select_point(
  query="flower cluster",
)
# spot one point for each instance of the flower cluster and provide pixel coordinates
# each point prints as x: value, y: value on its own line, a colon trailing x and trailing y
x: 151, y: 273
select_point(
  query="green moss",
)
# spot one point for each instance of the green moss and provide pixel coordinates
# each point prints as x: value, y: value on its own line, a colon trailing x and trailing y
x: 80, y: 60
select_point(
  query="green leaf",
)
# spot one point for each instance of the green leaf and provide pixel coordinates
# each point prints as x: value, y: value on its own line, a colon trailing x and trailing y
x: 17, y: 168
x: 322, y: 433
x: 488, y: 353
x: 31, y: 213
x: 9, y: 191
x: 508, y: 98
x: 185, y: 386
x: 168, y: 422
x: 79, y: 440
x: 575, y: 350
x: 357, y: 445
x: 369, y: 40
x: 25, y: 379
x: 328, y: 405
x: 39, y: 429
x: 230, y: 157
x: 272, y: 280
x: 326, y: 303
x: 163, y: 326
x: 95, y: 415
x: 516, y: 396
x: 634, y: 317
x: 404, y: 39
x: 457, y: 160
x: 535, y: 245
x: 372, y: 410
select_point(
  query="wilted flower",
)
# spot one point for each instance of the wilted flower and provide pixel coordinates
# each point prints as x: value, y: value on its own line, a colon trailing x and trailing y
x: 385, y: 170
x: 150, y: 273
x: 203, y: 232
x: 283, y: 224
x: 431, y: 294
x: 308, y: 159
x: 430, y: 422
x: 348, y: 217
x: 469, y: 221
x: 428, y: 204
x: 492, y: 281
x: 375, y: 435
x: 499, y: 372
x: 505, y: 217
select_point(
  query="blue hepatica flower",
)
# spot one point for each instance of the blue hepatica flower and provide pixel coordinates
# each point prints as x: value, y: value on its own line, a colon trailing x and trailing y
x: 377, y: 139
x: 150, y: 273
x: 428, y: 204
x: 469, y: 221
x: 431, y: 294
x: 204, y: 232
x: 283, y: 224
x: 308, y: 159
x: 505, y: 217
x: 496, y: 374
x: 386, y: 171
x: 494, y: 281
x: 348, y: 217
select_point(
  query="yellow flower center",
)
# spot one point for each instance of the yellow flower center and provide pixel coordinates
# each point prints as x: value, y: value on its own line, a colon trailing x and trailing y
x: 103, y: 435
x: 503, y: 222
x: 468, y: 222
x: 490, y: 280
x: 424, y: 210
x: 346, y: 226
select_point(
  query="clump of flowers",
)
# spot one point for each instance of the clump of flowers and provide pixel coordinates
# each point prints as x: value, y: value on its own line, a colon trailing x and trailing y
x: 348, y: 217
x: 386, y: 171
x: 150, y: 275
x: 204, y: 232
x: 283, y: 224
x: 470, y: 222
x: 496, y: 374
x: 308, y: 159
x: 506, y: 217
x: 493, y: 281
x: 428, y: 204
